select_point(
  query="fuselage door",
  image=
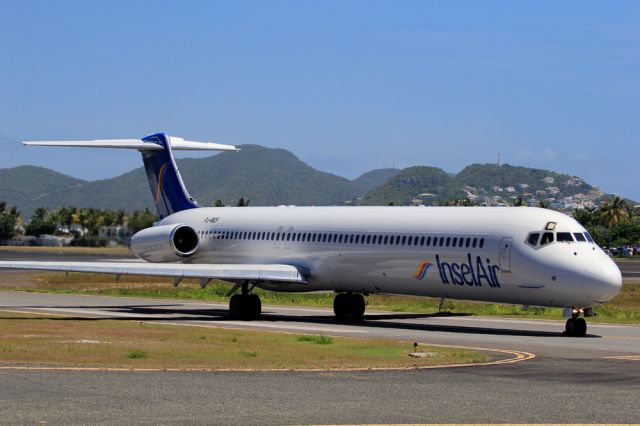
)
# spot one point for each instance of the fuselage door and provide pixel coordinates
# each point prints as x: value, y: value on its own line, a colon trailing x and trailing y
x: 505, y: 254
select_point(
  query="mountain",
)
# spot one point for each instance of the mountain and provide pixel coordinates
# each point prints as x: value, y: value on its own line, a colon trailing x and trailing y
x: 490, y: 184
x: 419, y: 181
x: 267, y: 176
x: 22, y: 185
x: 373, y: 179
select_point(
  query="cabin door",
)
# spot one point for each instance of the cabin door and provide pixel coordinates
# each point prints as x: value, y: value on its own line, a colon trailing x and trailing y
x: 505, y: 254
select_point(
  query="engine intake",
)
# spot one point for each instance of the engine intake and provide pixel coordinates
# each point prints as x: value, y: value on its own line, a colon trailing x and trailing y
x: 165, y: 243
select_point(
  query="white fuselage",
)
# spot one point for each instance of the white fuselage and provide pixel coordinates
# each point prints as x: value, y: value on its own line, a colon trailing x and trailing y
x: 479, y: 253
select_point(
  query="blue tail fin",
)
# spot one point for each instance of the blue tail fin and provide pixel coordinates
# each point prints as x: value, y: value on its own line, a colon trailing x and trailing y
x: 169, y: 192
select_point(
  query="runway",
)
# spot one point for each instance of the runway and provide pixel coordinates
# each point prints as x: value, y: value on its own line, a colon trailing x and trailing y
x: 570, y: 380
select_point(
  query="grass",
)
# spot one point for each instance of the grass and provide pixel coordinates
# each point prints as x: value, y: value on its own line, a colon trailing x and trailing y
x: 113, y: 250
x: 29, y: 339
x: 625, y: 308
x: 318, y: 340
x: 137, y: 354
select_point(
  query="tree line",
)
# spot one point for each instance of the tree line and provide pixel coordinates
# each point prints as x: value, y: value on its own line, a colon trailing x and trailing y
x: 614, y: 223
x: 81, y: 223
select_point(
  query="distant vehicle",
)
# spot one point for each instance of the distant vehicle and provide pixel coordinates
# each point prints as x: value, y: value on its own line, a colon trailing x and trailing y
x: 526, y: 256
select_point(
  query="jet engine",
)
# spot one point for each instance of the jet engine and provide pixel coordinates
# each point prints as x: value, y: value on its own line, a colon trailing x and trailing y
x: 165, y: 243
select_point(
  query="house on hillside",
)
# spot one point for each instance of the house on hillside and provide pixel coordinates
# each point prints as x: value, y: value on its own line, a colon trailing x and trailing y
x: 115, y: 233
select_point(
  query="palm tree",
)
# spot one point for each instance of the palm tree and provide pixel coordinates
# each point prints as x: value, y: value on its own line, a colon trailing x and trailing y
x: 614, y: 212
x: 242, y: 203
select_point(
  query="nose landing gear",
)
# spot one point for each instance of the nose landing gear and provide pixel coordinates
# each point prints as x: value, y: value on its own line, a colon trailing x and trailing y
x: 576, y: 326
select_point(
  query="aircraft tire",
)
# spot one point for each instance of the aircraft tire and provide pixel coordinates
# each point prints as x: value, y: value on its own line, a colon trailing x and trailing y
x: 356, y: 306
x: 236, y: 306
x: 580, y: 327
x: 253, y: 306
x: 341, y: 306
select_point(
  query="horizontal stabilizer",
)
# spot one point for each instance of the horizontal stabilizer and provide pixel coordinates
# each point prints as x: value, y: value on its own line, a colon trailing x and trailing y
x: 252, y: 272
x: 139, y: 144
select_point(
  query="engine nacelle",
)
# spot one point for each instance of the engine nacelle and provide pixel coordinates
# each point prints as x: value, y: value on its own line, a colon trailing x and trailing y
x: 165, y: 243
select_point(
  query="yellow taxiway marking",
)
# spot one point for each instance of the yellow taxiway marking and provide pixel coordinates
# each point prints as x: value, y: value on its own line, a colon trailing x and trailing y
x: 624, y: 357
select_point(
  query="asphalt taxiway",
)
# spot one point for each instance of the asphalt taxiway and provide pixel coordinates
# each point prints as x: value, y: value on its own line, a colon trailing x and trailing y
x: 591, y: 379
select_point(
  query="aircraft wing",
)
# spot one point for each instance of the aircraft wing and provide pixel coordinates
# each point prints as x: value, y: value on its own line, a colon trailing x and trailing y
x: 252, y: 272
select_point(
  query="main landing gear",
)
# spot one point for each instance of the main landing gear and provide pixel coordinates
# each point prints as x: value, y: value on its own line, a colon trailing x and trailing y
x: 349, y: 306
x: 575, y: 326
x: 245, y: 306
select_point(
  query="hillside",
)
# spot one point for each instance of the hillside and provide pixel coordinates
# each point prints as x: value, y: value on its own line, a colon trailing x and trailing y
x: 263, y: 175
x: 420, y: 182
x: 22, y: 185
x: 269, y: 176
x: 488, y: 184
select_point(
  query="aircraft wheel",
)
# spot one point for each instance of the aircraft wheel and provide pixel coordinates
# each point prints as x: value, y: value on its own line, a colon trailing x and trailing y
x: 356, y: 306
x: 341, y: 306
x: 253, y: 306
x: 570, y: 327
x: 236, y: 306
x: 580, y: 327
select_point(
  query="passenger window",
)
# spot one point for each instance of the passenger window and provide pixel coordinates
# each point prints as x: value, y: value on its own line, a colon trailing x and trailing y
x: 422, y: 241
x: 410, y: 240
x: 547, y: 238
x: 404, y: 240
x: 579, y: 237
x: 474, y: 243
x: 533, y: 238
x: 441, y: 241
x: 448, y: 241
x: 565, y: 237
x: 481, y: 242
x: 415, y: 241
x: 468, y: 242
x: 455, y: 241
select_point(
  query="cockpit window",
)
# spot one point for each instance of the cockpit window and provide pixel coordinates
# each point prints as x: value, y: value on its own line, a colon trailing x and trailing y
x: 547, y: 238
x: 533, y: 238
x: 588, y: 236
x: 579, y: 236
x: 565, y: 237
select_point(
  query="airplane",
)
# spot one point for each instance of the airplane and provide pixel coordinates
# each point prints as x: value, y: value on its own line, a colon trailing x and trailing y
x: 511, y: 255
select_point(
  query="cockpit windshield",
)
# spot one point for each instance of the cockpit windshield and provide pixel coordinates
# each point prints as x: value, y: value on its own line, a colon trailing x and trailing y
x: 539, y: 239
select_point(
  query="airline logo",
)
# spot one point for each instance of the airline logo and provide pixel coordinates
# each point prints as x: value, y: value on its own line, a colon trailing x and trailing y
x: 473, y: 272
x: 422, y: 270
x: 160, y: 178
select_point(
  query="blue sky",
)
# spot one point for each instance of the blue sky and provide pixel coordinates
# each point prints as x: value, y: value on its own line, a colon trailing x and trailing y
x: 348, y: 86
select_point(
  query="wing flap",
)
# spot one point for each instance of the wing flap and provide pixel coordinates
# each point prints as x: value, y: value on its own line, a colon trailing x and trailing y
x: 253, y: 272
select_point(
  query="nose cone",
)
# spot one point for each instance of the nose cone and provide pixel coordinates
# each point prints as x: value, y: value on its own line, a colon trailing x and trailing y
x: 603, y: 280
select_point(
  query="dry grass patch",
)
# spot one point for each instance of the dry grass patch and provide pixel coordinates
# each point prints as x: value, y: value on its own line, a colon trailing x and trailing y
x: 59, y: 341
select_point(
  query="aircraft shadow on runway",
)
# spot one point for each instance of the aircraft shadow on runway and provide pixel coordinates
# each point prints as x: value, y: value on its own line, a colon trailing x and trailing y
x: 174, y: 313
